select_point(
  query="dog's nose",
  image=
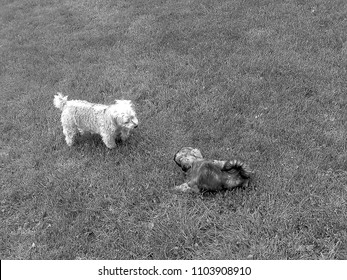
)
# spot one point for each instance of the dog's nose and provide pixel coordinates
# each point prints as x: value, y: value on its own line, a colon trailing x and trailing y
x: 135, y: 126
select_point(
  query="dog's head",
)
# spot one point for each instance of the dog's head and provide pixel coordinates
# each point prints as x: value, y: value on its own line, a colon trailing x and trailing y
x: 124, y: 113
x: 185, y: 157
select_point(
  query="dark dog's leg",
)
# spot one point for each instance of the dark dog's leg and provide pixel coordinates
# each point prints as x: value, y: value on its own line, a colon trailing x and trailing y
x: 189, y: 187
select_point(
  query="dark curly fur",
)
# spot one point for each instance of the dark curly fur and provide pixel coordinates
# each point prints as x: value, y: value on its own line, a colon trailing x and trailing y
x: 210, y: 175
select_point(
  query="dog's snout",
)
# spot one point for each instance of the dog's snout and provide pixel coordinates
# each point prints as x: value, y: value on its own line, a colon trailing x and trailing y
x: 185, y: 167
x: 135, y: 125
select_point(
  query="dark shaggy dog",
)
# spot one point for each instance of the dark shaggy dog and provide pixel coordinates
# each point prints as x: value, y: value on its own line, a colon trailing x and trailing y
x: 210, y: 175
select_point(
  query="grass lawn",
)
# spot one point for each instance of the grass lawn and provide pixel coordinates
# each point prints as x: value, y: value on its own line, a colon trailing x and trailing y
x: 264, y: 81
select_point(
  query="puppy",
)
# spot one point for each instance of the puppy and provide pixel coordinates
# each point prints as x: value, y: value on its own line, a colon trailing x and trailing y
x: 210, y: 175
x: 109, y: 121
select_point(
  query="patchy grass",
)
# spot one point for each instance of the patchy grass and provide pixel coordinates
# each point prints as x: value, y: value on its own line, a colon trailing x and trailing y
x: 264, y: 81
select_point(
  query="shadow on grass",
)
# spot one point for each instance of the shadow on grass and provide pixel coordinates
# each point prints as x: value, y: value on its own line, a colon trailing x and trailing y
x: 95, y: 141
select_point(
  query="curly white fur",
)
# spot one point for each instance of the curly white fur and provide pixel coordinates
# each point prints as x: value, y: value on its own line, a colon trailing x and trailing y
x: 109, y: 121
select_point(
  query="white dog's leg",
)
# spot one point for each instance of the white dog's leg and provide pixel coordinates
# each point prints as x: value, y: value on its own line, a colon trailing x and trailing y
x: 69, y: 135
x: 124, y: 135
x: 108, y: 140
x: 69, y: 127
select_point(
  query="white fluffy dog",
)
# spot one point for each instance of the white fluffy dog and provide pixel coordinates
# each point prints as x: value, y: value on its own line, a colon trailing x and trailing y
x: 109, y: 121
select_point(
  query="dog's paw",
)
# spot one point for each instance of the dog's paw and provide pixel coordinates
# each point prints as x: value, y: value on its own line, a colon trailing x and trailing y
x: 182, y: 188
x: 186, y: 189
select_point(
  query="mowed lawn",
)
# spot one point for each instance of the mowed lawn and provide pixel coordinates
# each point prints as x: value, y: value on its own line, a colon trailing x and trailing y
x: 264, y: 81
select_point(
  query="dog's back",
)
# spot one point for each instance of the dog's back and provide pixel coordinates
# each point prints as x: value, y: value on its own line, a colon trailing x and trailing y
x: 82, y: 105
x: 60, y: 101
x: 207, y: 175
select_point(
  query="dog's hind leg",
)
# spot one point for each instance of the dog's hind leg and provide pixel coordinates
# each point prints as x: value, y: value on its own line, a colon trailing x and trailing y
x: 69, y: 127
x: 69, y: 135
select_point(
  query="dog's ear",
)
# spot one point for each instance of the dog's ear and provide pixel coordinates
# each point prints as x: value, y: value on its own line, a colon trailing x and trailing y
x: 196, y: 153
x: 175, y: 160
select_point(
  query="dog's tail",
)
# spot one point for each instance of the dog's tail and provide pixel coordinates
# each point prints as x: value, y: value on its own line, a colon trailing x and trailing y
x: 60, y: 101
x: 238, y: 166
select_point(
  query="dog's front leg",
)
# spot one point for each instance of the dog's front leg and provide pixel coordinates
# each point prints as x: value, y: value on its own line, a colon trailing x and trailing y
x: 183, y: 188
x: 188, y: 187
x: 124, y: 135
x: 108, y: 140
